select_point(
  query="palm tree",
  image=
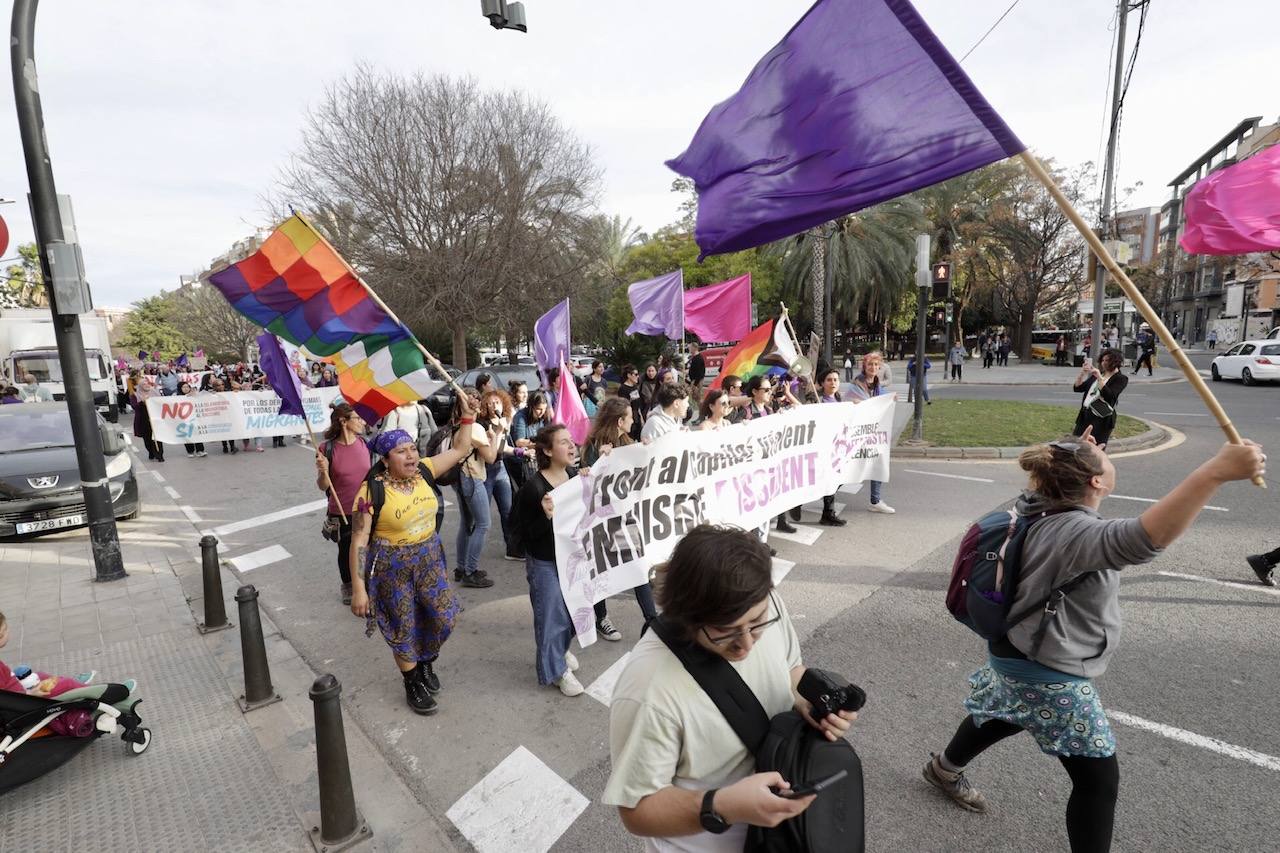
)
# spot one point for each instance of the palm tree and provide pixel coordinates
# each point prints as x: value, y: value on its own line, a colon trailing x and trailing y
x: 870, y: 253
x: 616, y: 235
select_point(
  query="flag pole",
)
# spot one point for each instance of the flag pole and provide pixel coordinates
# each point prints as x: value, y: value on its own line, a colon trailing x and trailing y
x: 1130, y: 290
x: 378, y: 300
x: 315, y: 445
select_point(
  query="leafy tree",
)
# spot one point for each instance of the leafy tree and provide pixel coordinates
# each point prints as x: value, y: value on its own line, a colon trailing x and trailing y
x: 24, y: 282
x: 150, y: 326
x: 202, y: 316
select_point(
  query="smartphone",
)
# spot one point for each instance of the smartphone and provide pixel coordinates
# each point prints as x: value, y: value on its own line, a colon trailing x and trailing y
x: 804, y: 789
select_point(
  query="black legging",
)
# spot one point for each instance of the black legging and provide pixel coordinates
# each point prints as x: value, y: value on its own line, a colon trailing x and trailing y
x: 155, y: 450
x: 1145, y: 359
x: 956, y: 370
x: 1095, y: 783
x: 344, y: 548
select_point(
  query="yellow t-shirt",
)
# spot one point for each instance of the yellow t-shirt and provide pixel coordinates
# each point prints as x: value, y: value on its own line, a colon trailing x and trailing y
x: 404, y: 519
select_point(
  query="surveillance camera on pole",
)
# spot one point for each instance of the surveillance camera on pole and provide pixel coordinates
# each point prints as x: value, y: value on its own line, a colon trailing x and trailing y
x: 503, y: 15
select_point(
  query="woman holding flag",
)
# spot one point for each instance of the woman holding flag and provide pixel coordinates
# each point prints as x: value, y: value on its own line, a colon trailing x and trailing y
x: 398, y: 575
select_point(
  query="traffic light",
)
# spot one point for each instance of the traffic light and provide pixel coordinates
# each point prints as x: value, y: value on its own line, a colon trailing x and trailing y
x: 941, y: 279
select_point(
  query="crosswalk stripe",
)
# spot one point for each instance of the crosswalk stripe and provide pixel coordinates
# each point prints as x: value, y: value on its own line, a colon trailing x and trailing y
x: 258, y: 559
x: 601, y: 689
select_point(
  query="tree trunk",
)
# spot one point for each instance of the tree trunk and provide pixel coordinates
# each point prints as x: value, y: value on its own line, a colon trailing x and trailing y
x: 818, y: 278
x: 459, y: 346
x: 1026, y: 322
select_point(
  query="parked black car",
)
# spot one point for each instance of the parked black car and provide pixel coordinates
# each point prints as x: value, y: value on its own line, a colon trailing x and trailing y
x: 441, y: 402
x: 39, y: 477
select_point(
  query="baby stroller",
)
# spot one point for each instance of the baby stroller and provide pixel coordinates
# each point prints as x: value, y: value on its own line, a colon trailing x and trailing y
x: 29, y: 750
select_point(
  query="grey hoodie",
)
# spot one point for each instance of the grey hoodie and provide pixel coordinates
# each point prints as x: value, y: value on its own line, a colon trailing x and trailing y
x: 1084, y: 634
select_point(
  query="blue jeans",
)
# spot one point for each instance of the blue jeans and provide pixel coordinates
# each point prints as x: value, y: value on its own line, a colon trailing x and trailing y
x: 644, y: 597
x: 875, y: 491
x: 498, y: 486
x: 552, y: 625
x: 473, y: 493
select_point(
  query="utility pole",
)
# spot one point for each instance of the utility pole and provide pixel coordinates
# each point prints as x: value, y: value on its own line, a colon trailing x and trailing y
x: 68, y: 296
x: 1109, y: 175
x: 924, y: 289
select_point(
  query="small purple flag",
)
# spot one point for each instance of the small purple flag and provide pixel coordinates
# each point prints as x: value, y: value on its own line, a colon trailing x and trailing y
x: 658, y: 306
x: 551, y: 338
x: 280, y: 375
x: 859, y: 103
x: 142, y: 355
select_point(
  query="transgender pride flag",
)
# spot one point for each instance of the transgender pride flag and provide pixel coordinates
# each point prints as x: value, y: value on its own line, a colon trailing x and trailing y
x: 300, y: 289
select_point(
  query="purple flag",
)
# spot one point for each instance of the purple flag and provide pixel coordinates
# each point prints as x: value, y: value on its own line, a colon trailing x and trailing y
x: 658, y: 306
x: 551, y: 338
x: 859, y: 103
x: 280, y: 375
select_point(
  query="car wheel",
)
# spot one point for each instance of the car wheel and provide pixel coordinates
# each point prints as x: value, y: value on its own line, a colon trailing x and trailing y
x: 1213, y: 371
x: 137, y: 510
x: 1246, y: 377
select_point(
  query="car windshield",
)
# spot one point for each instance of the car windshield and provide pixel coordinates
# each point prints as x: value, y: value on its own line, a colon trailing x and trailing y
x: 47, y: 368
x: 27, y: 431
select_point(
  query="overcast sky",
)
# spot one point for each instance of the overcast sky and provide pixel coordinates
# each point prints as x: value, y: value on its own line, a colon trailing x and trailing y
x: 167, y: 121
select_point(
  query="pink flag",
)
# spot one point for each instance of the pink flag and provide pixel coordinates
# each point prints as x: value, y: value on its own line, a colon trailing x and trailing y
x: 1237, y: 209
x: 571, y: 411
x: 719, y: 312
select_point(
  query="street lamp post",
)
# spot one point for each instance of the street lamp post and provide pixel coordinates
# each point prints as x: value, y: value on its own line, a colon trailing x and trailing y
x: 65, y: 286
x: 924, y: 288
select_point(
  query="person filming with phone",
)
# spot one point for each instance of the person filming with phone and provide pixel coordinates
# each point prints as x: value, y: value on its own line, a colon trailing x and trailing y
x: 1102, y: 387
x: 683, y: 776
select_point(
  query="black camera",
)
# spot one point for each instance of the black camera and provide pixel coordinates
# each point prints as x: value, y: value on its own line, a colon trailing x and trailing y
x: 824, y: 692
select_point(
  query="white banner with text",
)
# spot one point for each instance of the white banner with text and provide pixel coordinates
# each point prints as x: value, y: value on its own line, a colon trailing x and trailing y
x: 227, y: 415
x: 626, y: 515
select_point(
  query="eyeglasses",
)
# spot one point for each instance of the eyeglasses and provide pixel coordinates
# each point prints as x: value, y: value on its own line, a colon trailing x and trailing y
x: 754, y: 630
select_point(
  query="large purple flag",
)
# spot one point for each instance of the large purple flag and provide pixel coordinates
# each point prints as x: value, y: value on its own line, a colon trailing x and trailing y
x: 859, y: 103
x: 658, y: 306
x: 280, y: 375
x: 551, y: 337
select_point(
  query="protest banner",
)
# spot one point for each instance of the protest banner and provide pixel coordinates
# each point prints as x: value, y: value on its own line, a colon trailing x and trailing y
x: 626, y: 515
x: 236, y: 414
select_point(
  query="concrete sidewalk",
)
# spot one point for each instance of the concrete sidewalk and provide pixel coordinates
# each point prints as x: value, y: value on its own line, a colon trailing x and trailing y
x: 213, y: 778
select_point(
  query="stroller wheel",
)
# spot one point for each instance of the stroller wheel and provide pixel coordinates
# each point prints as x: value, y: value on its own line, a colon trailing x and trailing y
x: 137, y: 741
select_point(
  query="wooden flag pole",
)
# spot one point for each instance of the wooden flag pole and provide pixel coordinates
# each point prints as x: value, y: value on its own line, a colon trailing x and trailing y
x: 378, y: 300
x: 1130, y: 290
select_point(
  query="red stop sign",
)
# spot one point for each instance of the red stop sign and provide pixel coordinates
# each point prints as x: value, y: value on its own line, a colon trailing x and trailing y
x: 4, y: 236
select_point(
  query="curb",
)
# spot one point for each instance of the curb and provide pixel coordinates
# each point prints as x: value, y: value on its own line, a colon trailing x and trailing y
x: 1155, y: 436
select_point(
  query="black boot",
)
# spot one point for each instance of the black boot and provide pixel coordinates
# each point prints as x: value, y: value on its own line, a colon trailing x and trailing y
x: 830, y: 519
x: 416, y: 693
x: 795, y: 513
x: 784, y: 526
x: 1263, y: 568
x: 427, y: 676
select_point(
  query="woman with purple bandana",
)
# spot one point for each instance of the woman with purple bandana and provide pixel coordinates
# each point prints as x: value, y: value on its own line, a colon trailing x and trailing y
x: 398, y: 575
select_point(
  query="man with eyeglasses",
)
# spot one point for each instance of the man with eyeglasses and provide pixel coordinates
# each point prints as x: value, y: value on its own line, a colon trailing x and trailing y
x: 681, y: 778
x: 629, y: 390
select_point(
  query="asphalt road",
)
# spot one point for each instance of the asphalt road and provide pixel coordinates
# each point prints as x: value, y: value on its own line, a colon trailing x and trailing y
x: 1197, y: 656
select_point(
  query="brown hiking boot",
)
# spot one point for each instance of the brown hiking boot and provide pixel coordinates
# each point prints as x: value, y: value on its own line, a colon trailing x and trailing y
x: 955, y: 786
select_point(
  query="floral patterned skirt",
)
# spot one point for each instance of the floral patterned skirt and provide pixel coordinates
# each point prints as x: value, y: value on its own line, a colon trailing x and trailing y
x: 1065, y: 717
x: 410, y: 599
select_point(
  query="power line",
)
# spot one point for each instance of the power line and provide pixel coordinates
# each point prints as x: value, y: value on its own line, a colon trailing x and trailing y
x: 990, y: 31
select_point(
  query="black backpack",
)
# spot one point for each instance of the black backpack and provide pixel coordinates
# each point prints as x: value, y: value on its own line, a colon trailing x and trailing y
x: 789, y: 745
x: 435, y: 446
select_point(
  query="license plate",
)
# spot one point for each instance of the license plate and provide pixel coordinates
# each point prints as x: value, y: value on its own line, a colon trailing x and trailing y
x: 49, y: 524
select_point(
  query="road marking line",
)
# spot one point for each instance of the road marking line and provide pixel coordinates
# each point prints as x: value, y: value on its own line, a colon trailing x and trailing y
x: 948, y: 476
x: 601, y: 689
x: 522, y: 804
x: 1153, y: 500
x: 1240, y: 753
x: 1180, y: 414
x: 172, y: 492
x: 258, y: 559
x: 191, y: 514
x: 270, y: 518
x: 1251, y: 587
x: 154, y: 473
x: 803, y: 535
x: 781, y: 568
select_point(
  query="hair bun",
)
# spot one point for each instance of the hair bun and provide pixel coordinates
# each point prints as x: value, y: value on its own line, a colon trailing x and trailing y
x: 1036, y: 458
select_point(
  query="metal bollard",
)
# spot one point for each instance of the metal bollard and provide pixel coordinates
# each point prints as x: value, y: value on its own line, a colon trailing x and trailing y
x: 340, y: 825
x: 257, y: 675
x: 215, y: 612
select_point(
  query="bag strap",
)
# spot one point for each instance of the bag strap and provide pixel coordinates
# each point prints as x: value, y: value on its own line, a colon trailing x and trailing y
x: 722, y: 684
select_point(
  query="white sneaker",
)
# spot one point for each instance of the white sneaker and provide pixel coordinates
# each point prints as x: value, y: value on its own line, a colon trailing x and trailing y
x: 881, y: 507
x: 191, y: 456
x: 572, y: 661
x: 201, y: 453
x: 569, y: 685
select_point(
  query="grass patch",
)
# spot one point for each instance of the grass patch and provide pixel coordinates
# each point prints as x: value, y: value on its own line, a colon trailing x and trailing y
x: 1004, y: 423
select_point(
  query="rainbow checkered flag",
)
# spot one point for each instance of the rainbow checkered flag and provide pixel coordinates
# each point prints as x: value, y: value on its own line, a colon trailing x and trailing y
x: 300, y: 289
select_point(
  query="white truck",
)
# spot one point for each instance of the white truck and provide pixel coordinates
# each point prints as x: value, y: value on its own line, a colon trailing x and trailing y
x: 28, y: 345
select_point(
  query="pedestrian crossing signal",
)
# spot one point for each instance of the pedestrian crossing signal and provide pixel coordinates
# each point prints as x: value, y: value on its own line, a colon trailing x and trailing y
x: 941, y: 280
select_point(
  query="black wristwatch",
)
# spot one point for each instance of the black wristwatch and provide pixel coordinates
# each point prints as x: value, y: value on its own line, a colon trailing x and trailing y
x: 711, y: 821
